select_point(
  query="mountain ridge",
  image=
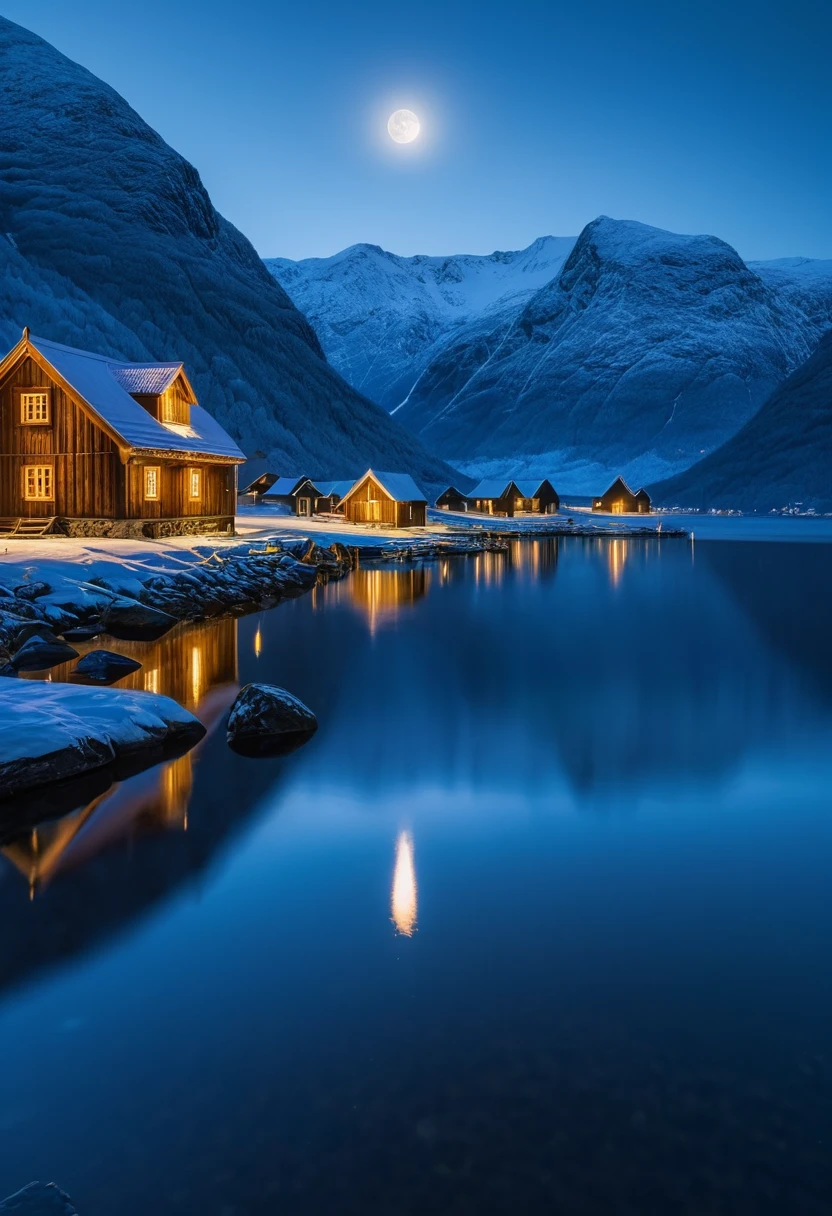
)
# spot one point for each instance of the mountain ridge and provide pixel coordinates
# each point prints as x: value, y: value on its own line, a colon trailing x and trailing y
x: 112, y: 244
x: 643, y: 350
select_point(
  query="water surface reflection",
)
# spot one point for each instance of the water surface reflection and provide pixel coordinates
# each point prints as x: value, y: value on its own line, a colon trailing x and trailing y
x: 538, y: 921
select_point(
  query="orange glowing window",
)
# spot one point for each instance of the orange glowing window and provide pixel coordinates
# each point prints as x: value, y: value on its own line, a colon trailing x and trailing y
x: 34, y: 407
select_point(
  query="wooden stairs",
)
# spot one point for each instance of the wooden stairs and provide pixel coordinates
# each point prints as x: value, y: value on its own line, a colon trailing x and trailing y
x: 25, y: 528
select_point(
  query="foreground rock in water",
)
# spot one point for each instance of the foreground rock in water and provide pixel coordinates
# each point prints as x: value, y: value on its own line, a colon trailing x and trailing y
x: 49, y: 732
x: 105, y: 667
x: 40, y: 653
x: 38, y: 1199
x: 269, y: 721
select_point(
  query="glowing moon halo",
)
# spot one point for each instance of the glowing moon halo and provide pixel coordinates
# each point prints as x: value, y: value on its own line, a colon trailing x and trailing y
x: 403, y: 126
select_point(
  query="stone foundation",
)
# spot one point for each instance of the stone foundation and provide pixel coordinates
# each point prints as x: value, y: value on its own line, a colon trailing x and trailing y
x: 146, y: 529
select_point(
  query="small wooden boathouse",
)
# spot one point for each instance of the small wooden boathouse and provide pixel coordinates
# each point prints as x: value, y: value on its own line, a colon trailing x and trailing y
x: 619, y: 499
x: 391, y: 499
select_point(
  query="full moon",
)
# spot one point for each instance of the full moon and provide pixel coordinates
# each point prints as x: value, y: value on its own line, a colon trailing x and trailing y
x: 403, y: 126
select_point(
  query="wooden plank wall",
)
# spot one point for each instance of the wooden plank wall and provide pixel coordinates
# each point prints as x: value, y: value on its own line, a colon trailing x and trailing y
x: 85, y: 461
x: 174, y: 502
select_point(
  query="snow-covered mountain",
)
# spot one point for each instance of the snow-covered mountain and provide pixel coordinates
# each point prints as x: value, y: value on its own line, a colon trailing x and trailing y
x: 782, y: 457
x: 109, y: 241
x: 631, y: 350
x: 645, y: 352
x: 381, y: 318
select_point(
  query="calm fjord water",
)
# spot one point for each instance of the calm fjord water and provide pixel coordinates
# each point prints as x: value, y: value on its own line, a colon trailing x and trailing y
x: 539, y: 921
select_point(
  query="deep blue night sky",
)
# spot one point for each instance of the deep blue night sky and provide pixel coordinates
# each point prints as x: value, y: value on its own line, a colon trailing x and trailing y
x: 710, y: 117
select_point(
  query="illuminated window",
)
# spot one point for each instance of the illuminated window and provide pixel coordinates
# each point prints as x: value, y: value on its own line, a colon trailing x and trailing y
x: 34, y: 407
x: 151, y: 482
x: 37, y: 482
x: 195, y: 483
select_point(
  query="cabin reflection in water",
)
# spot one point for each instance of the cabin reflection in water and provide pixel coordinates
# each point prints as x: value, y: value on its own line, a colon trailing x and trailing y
x: 381, y: 593
x: 197, y: 666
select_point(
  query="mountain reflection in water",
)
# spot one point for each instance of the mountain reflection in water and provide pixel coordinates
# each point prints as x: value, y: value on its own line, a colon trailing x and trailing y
x: 604, y: 990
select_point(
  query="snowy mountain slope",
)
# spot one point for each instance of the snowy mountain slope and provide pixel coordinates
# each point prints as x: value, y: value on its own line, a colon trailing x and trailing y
x: 112, y: 243
x: 805, y: 282
x: 782, y: 456
x: 647, y: 350
x: 382, y: 318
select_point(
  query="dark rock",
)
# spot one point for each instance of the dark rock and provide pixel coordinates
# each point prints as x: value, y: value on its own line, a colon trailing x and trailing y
x: 7, y: 670
x: 268, y: 721
x: 132, y: 621
x: 82, y: 633
x: 35, y: 629
x: 38, y: 1199
x: 39, y: 654
x: 105, y: 666
x: 32, y: 591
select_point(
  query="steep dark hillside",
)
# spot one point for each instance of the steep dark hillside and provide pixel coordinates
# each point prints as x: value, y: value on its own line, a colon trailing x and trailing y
x: 108, y: 240
x: 782, y: 456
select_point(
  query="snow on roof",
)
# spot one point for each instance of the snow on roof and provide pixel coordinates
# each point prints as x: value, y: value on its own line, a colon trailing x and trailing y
x: 399, y: 486
x: 334, y: 489
x: 529, y: 488
x: 96, y: 379
x: 155, y: 378
x: 284, y: 486
x: 490, y: 487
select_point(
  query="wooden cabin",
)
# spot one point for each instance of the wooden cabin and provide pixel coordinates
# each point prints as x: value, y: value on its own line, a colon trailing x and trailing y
x: 299, y: 494
x: 494, y: 497
x: 254, y: 478
x: 452, y: 499
x: 620, y: 500
x: 331, y: 495
x: 393, y: 499
x: 536, y: 497
x: 93, y: 446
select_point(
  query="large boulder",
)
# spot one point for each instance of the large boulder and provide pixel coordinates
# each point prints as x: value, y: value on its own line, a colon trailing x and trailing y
x: 40, y: 653
x: 50, y: 731
x: 105, y: 666
x: 132, y: 621
x: 268, y: 721
x: 38, y: 1199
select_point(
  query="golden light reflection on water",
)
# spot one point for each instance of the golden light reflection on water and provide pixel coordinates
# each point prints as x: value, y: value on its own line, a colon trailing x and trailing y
x: 617, y: 556
x: 195, y: 665
x: 404, y: 896
x: 380, y: 593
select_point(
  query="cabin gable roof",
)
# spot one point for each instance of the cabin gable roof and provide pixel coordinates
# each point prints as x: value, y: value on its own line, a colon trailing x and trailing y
x: 400, y: 487
x: 253, y: 471
x: 491, y: 487
x: 285, y: 487
x: 619, y: 486
x: 97, y: 384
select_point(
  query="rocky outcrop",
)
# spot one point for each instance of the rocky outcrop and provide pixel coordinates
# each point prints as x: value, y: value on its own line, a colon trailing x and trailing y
x: 268, y: 721
x: 38, y: 1199
x: 50, y: 732
x: 105, y: 666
